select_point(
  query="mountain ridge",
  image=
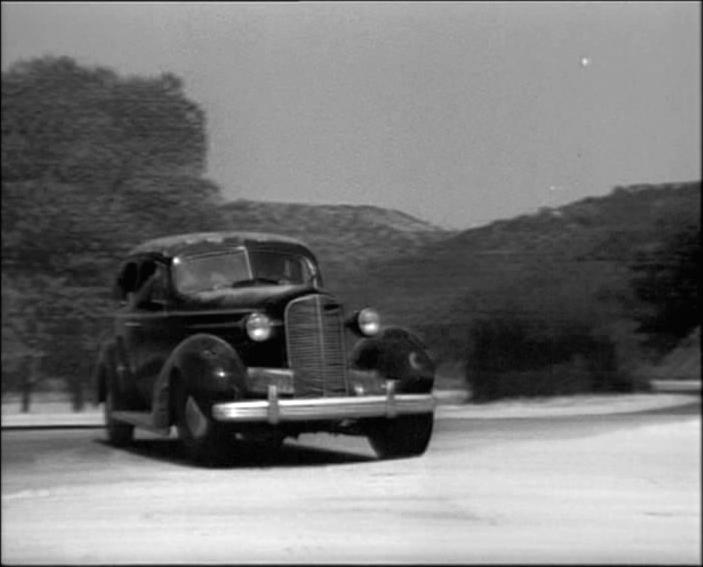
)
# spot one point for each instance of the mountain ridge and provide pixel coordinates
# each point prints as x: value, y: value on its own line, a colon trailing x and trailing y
x: 343, y: 237
x: 574, y: 259
x: 570, y: 262
x: 400, y: 220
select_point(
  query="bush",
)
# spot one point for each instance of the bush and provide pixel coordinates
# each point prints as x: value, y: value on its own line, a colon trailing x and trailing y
x: 667, y: 282
x: 511, y: 356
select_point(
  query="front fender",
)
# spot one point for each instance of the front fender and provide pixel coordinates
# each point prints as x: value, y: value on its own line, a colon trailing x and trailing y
x: 397, y: 354
x: 208, y: 367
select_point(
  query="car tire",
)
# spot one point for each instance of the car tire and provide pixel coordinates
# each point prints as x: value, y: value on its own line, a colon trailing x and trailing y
x: 402, y: 436
x: 204, y: 440
x: 119, y: 433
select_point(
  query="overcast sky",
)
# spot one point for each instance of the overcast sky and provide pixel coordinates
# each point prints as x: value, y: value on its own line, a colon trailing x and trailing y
x: 459, y: 113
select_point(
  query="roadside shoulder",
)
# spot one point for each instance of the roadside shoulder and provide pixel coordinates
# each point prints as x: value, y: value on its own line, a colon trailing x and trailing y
x: 451, y: 404
x: 587, y: 404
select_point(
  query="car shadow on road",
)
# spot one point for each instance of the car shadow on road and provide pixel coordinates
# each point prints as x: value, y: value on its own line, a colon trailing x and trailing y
x: 242, y: 455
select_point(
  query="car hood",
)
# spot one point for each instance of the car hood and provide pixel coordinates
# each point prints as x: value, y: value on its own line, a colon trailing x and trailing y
x: 273, y: 297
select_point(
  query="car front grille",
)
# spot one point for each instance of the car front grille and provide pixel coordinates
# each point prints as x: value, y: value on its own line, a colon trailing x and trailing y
x: 315, y: 344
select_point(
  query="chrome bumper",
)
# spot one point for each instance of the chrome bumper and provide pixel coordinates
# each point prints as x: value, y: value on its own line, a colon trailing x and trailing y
x: 275, y: 410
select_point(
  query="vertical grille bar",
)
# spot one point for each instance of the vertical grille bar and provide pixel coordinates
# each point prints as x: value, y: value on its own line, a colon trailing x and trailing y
x: 315, y: 343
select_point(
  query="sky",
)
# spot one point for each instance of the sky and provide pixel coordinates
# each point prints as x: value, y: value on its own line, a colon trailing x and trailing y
x: 459, y: 113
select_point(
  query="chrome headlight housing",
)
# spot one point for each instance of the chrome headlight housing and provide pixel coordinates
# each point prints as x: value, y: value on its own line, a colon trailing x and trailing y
x: 368, y: 322
x: 259, y: 327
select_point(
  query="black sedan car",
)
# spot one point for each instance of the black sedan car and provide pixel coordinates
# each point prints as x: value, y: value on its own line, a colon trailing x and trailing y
x: 232, y: 335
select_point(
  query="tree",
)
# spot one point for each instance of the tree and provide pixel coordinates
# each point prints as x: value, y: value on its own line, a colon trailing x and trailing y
x: 92, y: 163
x: 666, y: 280
x: 76, y: 124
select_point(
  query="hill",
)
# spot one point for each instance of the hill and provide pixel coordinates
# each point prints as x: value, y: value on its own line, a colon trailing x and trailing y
x: 421, y: 274
x: 548, y: 294
x: 682, y: 363
x: 344, y: 237
x: 569, y: 262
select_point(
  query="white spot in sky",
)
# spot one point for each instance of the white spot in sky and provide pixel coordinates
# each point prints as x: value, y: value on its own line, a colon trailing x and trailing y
x: 585, y: 61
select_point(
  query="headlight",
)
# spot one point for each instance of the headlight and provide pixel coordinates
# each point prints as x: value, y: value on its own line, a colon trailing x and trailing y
x: 369, y: 322
x: 259, y: 327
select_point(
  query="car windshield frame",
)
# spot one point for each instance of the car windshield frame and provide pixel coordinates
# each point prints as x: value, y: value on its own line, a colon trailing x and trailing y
x: 248, y: 273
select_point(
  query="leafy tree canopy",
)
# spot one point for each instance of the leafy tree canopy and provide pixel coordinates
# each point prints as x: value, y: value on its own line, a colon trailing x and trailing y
x: 92, y: 163
x: 76, y: 124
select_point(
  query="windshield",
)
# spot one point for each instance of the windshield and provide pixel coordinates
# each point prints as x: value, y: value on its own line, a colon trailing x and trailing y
x: 234, y: 268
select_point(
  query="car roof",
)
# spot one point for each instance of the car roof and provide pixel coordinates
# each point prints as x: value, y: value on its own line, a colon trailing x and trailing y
x: 170, y: 246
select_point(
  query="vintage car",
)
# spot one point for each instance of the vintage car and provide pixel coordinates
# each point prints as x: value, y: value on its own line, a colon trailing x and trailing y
x: 229, y: 335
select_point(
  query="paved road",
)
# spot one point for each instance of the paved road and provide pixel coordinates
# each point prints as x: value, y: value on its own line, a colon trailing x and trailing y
x: 603, y: 489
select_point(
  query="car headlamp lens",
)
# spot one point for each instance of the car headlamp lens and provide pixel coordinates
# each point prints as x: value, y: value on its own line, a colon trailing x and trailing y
x: 369, y: 322
x: 259, y: 327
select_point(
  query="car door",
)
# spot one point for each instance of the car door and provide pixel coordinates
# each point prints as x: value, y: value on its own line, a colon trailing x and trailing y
x: 126, y: 330
x: 151, y: 333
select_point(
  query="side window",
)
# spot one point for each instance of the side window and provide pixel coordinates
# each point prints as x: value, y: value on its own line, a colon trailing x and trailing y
x: 126, y: 281
x: 151, y: 286
x: 159, y: 286
x: 146, y: 270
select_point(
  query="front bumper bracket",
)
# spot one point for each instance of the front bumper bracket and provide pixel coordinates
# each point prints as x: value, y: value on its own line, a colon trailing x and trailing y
x: 274, y: 410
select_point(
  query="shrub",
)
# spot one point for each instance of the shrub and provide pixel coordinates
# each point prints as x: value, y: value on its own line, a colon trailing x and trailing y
x: 512, y: 356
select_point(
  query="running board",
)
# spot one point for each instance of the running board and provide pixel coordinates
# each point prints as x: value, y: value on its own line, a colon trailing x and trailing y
x: 142, y: 419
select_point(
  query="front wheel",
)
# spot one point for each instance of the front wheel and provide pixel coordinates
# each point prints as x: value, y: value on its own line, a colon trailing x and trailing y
x: 205, y: 441
x: 403, y: 436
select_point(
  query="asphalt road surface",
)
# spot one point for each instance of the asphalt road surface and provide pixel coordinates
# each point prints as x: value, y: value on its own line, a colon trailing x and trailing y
x: 596, y: 489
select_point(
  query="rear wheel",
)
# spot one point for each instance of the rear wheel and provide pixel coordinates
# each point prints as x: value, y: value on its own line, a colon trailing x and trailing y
x: 118, y: 432
x: 403, y: 436
x: 205, y: 441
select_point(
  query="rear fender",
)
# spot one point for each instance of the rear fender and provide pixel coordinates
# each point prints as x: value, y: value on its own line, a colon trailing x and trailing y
x: 210, y: 370
x: 100, y: 370
x: 104, y: 370
x: 397, y: 354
